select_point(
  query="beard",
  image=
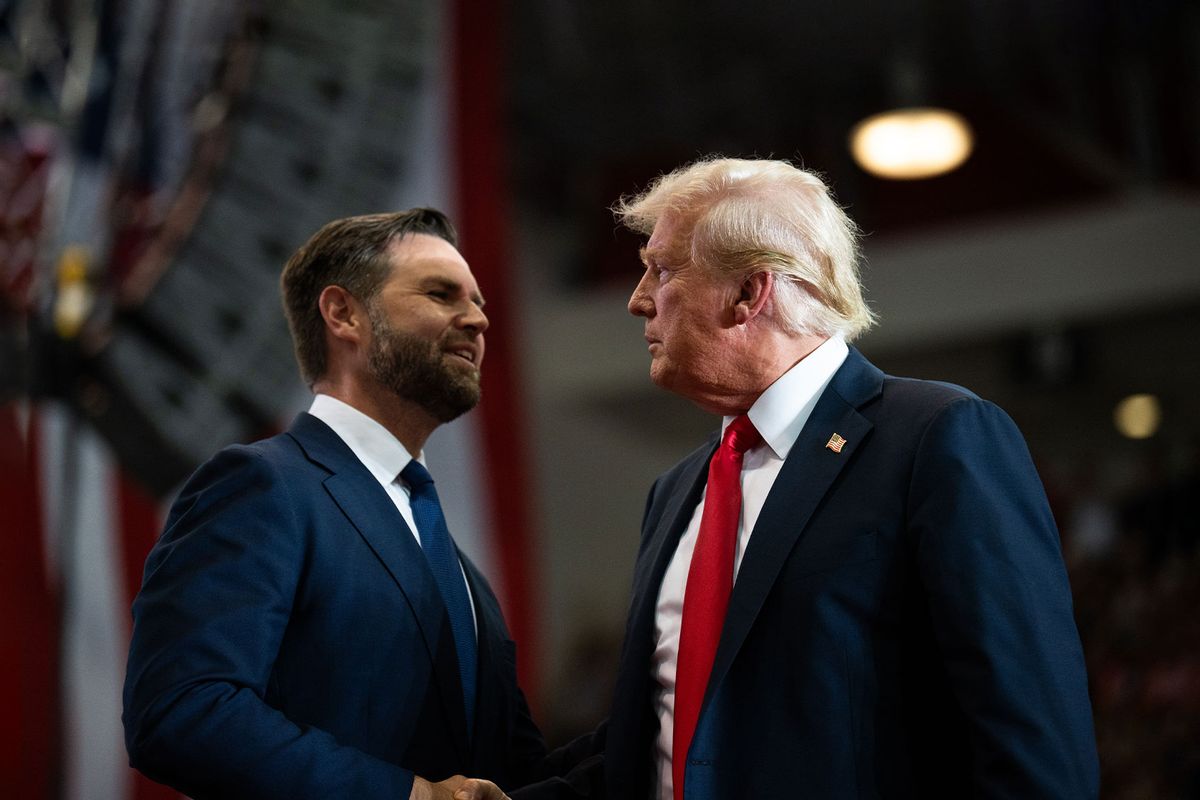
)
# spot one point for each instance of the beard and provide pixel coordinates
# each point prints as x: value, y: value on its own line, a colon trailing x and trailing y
x: 416, y: 369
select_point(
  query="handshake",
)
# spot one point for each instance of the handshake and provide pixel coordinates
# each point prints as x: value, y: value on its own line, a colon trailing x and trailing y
x: 456, y: 787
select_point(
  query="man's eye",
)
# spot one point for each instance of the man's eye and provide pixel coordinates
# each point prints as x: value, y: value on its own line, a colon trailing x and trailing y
x: 656, y: 269
x: 439, y: 294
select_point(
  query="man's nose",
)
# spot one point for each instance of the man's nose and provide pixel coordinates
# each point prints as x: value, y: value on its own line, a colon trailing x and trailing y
x: 473, y: 319
x: 640, y: 302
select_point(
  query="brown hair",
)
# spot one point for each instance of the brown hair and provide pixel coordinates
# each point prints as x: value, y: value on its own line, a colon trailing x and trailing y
x: 350, y: 253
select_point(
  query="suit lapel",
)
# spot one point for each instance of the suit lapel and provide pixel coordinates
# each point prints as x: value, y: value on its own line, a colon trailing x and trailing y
x: 630, y: 725
x: 808, y: 473
x: 373, y: 514
x: 665, y: 538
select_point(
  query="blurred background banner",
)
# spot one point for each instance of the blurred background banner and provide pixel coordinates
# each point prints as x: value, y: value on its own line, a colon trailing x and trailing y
x: 1027, y: 176
x: 160, y: 163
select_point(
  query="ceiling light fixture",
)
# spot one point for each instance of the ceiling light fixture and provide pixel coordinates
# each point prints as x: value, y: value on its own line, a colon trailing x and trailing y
x: 911, y: 143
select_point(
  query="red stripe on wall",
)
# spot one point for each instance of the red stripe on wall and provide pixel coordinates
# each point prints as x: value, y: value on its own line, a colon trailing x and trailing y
x: 482, y: 189
x: 139, y: 525
x: 29, y: 732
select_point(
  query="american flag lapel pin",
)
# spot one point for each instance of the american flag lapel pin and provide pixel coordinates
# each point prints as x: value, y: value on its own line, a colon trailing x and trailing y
x: 836, y: 443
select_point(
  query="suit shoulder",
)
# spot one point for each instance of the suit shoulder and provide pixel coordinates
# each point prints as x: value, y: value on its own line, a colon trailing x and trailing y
x: 916, y: 399
x: 946, y: 420
x: 275, y: 452
x: 925, y: 392
x: 258, y: 469
x: 925, y: 405
x: 280, y: 447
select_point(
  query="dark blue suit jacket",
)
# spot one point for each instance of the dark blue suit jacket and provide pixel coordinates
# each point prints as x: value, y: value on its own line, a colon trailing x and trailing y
x: 901, y: 625
x: 289, y: 640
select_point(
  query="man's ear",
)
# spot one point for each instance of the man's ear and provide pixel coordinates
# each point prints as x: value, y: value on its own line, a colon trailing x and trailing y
x: 345, y: 317
x: 753, y: 295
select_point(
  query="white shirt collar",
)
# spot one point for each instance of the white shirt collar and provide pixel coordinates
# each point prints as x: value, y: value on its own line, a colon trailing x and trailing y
x: 374, y: 445
x: 780, y: 412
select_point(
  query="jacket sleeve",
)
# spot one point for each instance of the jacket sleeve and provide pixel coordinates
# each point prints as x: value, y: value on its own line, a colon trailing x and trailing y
x: 215, y: 601
x: 989, y: 557
x: 572, y: 772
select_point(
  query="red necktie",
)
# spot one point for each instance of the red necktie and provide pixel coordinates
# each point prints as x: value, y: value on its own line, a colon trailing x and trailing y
x: 709, y: 583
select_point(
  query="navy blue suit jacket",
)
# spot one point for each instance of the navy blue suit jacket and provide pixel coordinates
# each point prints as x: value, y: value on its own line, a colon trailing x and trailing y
x: 901, y: 625
x: 289, y: 640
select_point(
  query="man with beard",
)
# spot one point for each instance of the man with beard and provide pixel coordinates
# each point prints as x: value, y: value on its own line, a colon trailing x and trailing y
x: 306, y: 626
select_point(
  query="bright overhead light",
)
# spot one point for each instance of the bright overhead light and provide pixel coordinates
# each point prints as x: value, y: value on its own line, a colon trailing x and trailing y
x: 1138, y: 416
x: 911, y: 143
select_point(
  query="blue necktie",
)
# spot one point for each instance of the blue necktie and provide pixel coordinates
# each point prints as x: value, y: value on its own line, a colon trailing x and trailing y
x: 443, y: 562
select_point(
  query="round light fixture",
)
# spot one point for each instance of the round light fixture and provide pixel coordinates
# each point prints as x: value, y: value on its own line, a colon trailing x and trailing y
x: 911, y: 143
x: 1138, y: 416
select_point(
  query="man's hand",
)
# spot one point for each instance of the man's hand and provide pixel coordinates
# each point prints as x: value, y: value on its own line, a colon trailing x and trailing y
x: 456, y: 787
x: 479, y: 789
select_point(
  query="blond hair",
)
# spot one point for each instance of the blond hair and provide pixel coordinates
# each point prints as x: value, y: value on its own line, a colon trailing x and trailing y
x: 753, y: 216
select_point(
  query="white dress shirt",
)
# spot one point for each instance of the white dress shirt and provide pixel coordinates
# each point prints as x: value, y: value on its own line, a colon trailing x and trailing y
x: 375, y: 446
x: 381, y: 453
x: 778, y: 414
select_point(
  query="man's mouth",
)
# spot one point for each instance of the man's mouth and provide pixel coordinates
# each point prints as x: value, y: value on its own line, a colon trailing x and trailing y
x: 466, y: 352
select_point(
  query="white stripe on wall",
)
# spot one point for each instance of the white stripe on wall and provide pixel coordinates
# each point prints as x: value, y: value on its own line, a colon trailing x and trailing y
x: 95, y: 612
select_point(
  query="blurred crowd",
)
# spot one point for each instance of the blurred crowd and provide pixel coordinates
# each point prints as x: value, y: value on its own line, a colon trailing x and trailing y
x: 1134, y: 561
